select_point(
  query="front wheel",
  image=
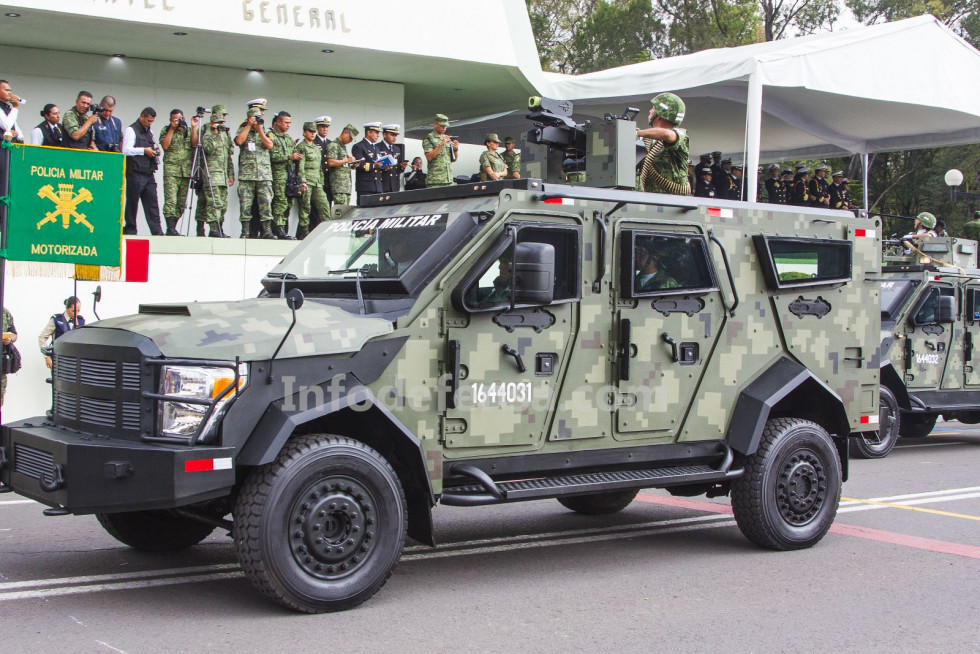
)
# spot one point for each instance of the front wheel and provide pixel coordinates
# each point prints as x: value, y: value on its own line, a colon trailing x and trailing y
x: 787, y: 499
x: 322, y: 527
x: 877, y: 444
x: 917, y: 425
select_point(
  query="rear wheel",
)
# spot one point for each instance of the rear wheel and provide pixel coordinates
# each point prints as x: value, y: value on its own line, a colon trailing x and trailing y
x: 917, y: 425
x: 599, y: 503
x: 877, y: 444
x: 322, y: 527
x: 787, y: 499
x: 154, y: 531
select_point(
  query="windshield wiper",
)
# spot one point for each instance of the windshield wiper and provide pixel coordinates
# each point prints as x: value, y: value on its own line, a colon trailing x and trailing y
x: 361, y: 250
x: 362, y: 309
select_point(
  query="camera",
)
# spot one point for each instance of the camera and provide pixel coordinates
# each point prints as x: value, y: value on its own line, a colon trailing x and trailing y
x: 223, y: 128
x: 201, y: 111
x: 259, y: 120
x: 97, y: 108
x: 181, y: 123
x: 111, y: 147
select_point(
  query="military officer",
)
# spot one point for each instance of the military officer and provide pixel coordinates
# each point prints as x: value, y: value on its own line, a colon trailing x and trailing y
x: 705, y: 188
x: 971, y: 229
x: 705, y: 162
x: 367, y: 152
x: 217, y: 174
x: 492, y: 166
x: 818, y: 189
x: 311, y: 174
x: 736, y: 180
x: 716, y: 169
x: 773, y: 184
x: 340, y: 161
x: 281, y: 155
x: 440, y: 152
x: 391, y: 176
x: 786, y: 191
x: 178, y: 143
x: 512, y: 158
x: 725, y: 182
x: 254, y: 173
x: 836, y: 191
x: 664, y: 167
x: 801, y: 195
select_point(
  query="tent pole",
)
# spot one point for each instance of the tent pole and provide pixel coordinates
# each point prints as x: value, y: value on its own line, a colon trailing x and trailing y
x: 864, y: 185
x: 753, y: 128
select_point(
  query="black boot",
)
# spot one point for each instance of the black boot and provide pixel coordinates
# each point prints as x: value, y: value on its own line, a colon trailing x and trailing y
x: 281, y: 233
x: 267, y: 230
x: 200, y: 228
x: 302, y: 232
x: 172, y: 227
x: 245, y: 229
x: 216, y: 231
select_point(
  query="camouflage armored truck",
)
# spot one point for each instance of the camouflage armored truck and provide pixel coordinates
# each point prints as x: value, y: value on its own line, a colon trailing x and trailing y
x: 475, y: 345
x: 930, y: 316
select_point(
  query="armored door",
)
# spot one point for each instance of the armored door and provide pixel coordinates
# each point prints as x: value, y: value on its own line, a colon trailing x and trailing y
x: 670, y: 314
x: 971, y: 334
x: 927, y: 340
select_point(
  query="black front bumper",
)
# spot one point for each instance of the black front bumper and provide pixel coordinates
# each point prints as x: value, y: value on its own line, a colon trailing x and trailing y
x: 88, y: 473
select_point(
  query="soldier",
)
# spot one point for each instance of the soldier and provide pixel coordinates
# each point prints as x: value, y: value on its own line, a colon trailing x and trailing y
x: 322, y: 129
x: 367, y: 151
x: 716, y: 170
x: 78, y: 124
x: 217, y: 174
x: 801, y: 196
x: 725, y: 182
x: 786, y: 190
x: 650, y: 270
x: 736, y: 192
x: 311, y: 174
x: 340, y: 160
x: 178, y: 143
x: 923, y: 228
x: 492, y: 166
x: 773, y: 185
x: 817, y: 188
x: 705, y: 188
x: 254, y: 173
x: 439, y: 156
x: 512, y: 158
x: 971, y: 229
x: 836, y: 191
x: 391, y: 176
x: 705, y: 162
x: 664, y: 167
x: 281, y: 155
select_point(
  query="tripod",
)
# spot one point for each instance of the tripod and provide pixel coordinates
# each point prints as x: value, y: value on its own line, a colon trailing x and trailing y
x: 198, y: 162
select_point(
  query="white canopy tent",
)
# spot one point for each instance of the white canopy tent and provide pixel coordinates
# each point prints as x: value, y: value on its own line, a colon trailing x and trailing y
x: 902, y: 85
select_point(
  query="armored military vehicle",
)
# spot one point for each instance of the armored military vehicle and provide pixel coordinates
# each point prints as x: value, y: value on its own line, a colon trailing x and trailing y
x: 930, y: 316
x: 473, y: 345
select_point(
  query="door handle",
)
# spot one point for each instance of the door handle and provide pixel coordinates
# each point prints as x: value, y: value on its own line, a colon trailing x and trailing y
x: 673, y: 345
x: 930, y: 345
x: 508, y: 350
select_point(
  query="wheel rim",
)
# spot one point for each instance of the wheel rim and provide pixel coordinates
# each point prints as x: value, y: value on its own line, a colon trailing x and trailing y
x: 802, y: 488
x: 332, y: 524
x: 877, y: 441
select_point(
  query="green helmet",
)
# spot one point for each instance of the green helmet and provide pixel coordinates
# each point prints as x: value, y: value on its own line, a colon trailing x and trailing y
x: 669, y: 107
x: 927, y: 219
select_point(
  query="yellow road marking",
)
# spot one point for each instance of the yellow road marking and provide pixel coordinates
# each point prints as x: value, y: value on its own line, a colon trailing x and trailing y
x: 912, y: 508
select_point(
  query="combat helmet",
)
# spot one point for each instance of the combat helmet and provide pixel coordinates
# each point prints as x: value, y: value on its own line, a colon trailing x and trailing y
x: 669, y: 107
x: 927, y: 219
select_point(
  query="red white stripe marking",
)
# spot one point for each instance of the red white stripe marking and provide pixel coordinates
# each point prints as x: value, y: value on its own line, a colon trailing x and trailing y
x: 718, y: 212
x: 869, y: 420
x: 864, y: 233
x: 565, y: 201
x: 204, y: 465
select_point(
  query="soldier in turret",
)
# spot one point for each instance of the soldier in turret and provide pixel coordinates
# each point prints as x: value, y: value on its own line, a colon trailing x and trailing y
x: 512, y: 158
x: 664, y: 168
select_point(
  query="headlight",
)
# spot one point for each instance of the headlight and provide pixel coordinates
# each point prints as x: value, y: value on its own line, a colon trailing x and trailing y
x: 207, y: 384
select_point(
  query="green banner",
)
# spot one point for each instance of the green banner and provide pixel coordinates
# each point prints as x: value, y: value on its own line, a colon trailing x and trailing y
x: 65, y: 206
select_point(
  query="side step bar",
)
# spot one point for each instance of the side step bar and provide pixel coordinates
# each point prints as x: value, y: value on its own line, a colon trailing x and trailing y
x: 487, y: 491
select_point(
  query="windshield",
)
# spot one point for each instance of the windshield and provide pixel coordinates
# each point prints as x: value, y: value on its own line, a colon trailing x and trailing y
x: 372, y: 247
x: 894, y: 294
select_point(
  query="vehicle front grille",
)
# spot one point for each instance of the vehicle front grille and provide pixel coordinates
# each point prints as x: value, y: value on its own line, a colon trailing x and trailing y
x: 32, y: 462
x: 99, y: 395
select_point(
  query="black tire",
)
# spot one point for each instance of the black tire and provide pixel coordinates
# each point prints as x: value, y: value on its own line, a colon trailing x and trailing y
x: 322, y: 527
x: 917, y: 425
x: 877, y: 444
x: 787, y: 499
x: 599, y: 503
x: 154, y: 531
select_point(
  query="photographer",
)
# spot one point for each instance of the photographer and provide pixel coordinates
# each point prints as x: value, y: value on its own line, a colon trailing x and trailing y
x: 415, y: 179
x: 217, y: 175
x: 78, y: 123
x: 141, y: 163
x: 48, y: 132
x: 107, y: 128
x: 178, y: 143
x: 254, y: 172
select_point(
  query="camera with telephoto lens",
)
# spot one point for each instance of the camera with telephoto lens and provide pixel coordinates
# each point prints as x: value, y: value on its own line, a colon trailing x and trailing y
x: 181, y: 123
x: 201, y: 111
x: 97, y: 108
x: 223, y: 128
x: 259, y: 121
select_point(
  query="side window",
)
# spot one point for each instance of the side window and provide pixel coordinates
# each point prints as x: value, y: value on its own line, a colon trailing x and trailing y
x: 791, y: 262
x: 973, y: 305
x: 657, y: 263
x: 926, y: 315
x: 492, y: 286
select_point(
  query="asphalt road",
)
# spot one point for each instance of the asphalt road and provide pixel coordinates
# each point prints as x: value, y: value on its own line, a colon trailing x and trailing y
x: 899, y: 572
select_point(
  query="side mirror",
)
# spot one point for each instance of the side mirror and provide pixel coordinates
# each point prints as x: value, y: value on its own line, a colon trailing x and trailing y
x: 294, y: 299
x: 945, y: 310
x: 534, y: 273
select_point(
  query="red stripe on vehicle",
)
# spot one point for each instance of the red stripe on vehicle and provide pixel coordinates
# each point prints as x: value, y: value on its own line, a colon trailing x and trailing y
x: 199, y: 465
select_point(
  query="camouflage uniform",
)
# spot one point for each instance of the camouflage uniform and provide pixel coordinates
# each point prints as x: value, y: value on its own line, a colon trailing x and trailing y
x: 282, y: 147
x: 671, y: 161
x: 218, y: 148
x: 340, y: 175
x: 176, y: 173
x: 494, y: 161
x: 311, y: 172
x: 254, y: 180
x: 440, y: 172
x: 71, y: 121
x: 513, y: 163
x: 8, y: 326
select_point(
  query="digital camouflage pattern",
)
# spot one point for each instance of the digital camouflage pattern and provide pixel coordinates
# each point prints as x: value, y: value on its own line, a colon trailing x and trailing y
x: 311, y: 173
x: 494, y: 161
x: 282, y: 147
x: 217, y: 172
x: 254, y: 165
x: 177, y: 158
x: 671, y: 163
x: 340, y: 183
x: 440, y: 169
x: 513, y: 162
x: 249, y: 190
